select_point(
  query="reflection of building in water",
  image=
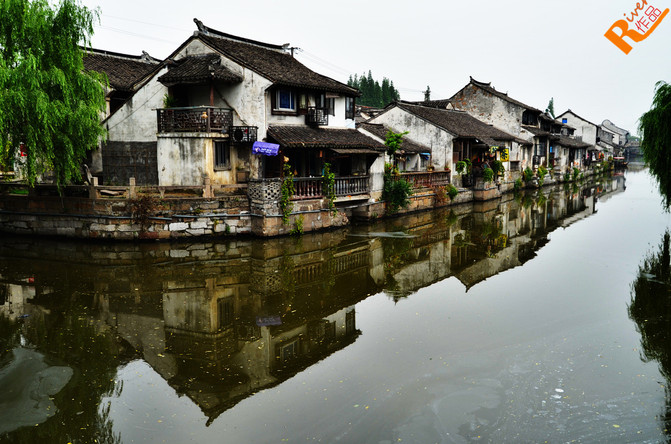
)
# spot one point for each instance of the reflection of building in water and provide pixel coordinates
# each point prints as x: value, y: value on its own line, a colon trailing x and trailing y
x: 15, y: 297
x: 221, y: 321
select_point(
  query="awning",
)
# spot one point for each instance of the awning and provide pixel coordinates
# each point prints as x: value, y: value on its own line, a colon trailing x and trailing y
x: 264, y: 148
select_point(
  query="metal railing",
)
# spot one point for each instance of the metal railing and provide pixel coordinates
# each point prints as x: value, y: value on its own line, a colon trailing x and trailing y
x: 317, y: 116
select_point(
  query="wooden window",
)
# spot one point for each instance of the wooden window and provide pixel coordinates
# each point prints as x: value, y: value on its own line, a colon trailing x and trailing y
x: 284, y: 101
x: 349, y: 107
x: 222, y: 155
x: 226, y: 312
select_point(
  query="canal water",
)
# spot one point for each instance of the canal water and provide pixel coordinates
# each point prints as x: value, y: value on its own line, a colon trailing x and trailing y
x: 536, y: 318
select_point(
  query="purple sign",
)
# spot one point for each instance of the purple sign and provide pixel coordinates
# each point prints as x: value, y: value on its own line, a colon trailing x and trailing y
x: 266, y: 321
x: 268, y: 149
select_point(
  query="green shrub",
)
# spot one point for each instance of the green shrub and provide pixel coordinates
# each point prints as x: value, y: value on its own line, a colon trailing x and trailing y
x: 298, y: 226
x: 452, y: 191
x: 541, y: 173
x: 287, y: 190
x: 518, y: 185
x: 461, y: 167
x: 395, y: 191
x: 498, y: 168
x: 488, y: 174
x: 528, y: 174
x: 576, y: 173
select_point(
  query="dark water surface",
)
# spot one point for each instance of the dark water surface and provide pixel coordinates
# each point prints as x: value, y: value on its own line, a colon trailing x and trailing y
x: 540, y: 318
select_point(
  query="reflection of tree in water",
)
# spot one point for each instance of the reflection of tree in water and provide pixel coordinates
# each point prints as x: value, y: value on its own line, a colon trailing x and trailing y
x: 68, y: 337
x: 650, y: 308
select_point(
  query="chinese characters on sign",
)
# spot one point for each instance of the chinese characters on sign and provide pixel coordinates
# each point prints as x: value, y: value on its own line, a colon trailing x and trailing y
x: 268, y: 149
x: 505, y: 155
x: 643, y: 20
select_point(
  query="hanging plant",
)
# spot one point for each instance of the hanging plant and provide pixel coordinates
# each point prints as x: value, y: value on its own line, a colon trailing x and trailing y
x: 328, y: 183
x: 287, y: 190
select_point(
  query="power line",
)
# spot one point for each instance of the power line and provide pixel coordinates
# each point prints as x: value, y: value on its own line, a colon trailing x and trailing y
x: 135, y: 34
x: 145, y: 23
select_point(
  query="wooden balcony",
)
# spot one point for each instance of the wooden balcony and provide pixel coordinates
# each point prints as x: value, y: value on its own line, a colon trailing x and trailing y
x: 317, y: 116
x: 196, y: 119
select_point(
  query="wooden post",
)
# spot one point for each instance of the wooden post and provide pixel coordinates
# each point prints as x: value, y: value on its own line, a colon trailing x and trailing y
x: 131, y: 188
x: 207, y: 188
x: 93, y: 193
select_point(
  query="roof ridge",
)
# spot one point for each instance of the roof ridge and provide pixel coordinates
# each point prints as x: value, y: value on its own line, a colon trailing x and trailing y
x: 216, y: 33
x: 144, y: 57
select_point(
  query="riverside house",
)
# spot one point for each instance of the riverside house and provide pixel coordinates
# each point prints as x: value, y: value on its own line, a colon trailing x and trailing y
x: 200, y: 111
x: 450, y: 136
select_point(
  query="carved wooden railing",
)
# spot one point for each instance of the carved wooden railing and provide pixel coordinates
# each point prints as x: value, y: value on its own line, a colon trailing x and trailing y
x: 194, y: 119
x: 428, y: 178
x: 350, y: 186
x: 307, y: 188
x: 312, y: 187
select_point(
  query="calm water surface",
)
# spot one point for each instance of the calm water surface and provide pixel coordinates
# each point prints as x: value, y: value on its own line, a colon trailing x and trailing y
x: 532, y: 319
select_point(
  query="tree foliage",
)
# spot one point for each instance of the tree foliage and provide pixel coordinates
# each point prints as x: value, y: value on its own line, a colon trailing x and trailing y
x: 551, y: 107
x: 656, y: 139
x: 372, y: 92
x: 48, y: 102
x: 393, y: 141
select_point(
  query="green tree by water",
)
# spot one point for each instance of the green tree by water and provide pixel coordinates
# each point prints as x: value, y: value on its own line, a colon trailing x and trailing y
x: 655, y: 131
x: 372, y: 92
x: 48, y: 102
x: 650, y: 309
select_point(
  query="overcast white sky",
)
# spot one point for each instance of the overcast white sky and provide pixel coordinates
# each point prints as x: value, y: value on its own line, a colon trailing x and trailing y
x: 534, y: 50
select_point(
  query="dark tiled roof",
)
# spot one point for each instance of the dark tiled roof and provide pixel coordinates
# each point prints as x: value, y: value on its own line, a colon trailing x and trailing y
x: 379, y: 130
x: 272, y: 62
x: 572, y: 143
x: 504, y: 96
x: 535, y: 130
x: 441, y: 103
x: 459, y: 123
x: 123, y: 70
x: 307, y: 137
x: 614, y: 128
x: 198, y: 69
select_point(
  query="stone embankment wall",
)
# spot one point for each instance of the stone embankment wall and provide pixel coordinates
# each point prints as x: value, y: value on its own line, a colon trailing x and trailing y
x: 253, y: 211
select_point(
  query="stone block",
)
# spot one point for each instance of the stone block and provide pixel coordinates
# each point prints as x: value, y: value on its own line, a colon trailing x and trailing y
x: 178, y: 226
x: 198, y: 225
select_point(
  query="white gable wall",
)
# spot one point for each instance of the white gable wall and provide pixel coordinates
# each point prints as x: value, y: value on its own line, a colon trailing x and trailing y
x: 583, y: 128
x: 422, y: 132
x: 135, y: 121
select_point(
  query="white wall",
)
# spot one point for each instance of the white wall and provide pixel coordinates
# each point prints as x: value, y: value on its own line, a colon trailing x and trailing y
x: 422, y: 132
x: 135, y: 121
x: 583, y: 128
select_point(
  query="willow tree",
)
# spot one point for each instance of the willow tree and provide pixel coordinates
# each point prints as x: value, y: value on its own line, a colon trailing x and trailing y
x: 655, y: 131
x: 50, y: 107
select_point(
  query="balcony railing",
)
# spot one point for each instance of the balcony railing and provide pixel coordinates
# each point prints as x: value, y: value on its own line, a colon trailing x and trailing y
x: 197, y: 119
x: 427, y: 179
x: 242, y: 134
x: 312, y: 187
x: 351, y: 186
x: 307, y: 188
x: 317, y: 116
